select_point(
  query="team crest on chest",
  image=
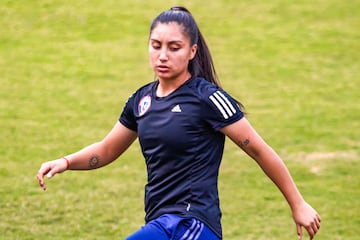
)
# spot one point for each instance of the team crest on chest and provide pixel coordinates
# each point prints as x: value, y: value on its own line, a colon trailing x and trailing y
x: 144, y: 105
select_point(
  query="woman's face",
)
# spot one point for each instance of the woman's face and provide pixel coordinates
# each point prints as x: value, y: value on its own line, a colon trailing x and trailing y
x: 170, y: 51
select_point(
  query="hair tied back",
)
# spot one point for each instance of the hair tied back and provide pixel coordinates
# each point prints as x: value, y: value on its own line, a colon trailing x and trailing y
x: 179, y: 8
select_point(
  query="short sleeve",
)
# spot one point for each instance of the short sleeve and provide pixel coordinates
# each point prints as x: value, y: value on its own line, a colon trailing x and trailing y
x: 221, y: 109
x: 127, y: 117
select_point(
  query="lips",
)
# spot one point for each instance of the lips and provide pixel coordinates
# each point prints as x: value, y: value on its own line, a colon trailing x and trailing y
x: 162, y: 68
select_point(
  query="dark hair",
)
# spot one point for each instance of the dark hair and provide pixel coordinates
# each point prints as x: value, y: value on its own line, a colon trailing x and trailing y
x: 202, y: 64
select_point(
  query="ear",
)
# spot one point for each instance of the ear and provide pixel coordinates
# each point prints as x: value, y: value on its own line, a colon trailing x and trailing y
x: 193, y: 51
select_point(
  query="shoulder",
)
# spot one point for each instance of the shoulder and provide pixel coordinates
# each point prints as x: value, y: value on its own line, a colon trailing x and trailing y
x: 202, y: 87
x: 217, y: 101
x: 142, y: 91
x: 145, y: 88
x: 208, y: 91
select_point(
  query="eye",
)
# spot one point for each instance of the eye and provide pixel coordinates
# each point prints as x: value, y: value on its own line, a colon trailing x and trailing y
x: 156, y: 46
x: 174, y: 49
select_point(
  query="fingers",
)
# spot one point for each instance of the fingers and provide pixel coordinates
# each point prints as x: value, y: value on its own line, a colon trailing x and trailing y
x: 299, y: 231
x: 49, y: 169
x: 51, y: 173
x: 40, y: 176
x: 318, y: 220
x: 41, y: 181
x: 311, y: 231
x: 305, y: 216
x: 313, y: 227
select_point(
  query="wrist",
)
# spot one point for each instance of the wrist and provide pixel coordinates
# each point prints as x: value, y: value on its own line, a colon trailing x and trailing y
x: 67, y: 162
x: 298, y: 204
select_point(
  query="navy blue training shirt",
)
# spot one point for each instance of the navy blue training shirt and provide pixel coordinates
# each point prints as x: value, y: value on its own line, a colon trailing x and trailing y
x: 183, y: 147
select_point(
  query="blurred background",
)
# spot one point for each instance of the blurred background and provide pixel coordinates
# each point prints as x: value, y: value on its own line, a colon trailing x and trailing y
x: 68, y: 67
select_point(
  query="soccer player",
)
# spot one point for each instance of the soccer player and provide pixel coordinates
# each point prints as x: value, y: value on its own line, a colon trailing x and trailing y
x: 181, y: 120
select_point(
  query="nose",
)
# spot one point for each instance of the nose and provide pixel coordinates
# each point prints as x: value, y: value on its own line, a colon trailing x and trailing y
x: 163, y: 55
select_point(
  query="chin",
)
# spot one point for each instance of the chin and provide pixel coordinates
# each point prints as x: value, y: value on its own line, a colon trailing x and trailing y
x: 165, y: 76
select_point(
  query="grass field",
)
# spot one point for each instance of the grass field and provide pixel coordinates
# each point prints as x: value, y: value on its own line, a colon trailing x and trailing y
x: 67, y: 68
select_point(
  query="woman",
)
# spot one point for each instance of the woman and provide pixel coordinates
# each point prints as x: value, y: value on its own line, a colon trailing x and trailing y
x: 181, y: 120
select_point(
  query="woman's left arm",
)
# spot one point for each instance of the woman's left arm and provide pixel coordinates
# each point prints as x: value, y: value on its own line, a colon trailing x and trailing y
x: 245, y: 136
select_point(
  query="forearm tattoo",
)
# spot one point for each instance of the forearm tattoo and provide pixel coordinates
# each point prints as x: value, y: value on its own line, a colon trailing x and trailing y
x: 94, y: 161
x: 245, y: 142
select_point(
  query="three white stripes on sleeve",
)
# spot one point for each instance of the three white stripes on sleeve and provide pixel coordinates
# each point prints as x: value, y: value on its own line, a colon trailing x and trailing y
x: 223, y: 104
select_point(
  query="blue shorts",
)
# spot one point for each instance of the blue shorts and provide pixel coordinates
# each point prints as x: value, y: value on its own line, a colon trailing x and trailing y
x: 174, y: 227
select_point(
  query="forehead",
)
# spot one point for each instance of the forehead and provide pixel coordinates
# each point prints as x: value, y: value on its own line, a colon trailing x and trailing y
x: 171, y: 31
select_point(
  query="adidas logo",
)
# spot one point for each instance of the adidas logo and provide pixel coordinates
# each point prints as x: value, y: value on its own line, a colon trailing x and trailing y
x: 176, y: 108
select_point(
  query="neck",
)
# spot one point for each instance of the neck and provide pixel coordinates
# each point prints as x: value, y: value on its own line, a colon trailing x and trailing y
x: 167, y: 86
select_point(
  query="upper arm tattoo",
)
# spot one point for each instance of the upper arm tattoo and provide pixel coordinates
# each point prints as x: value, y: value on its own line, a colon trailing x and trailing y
x: 94, y: 161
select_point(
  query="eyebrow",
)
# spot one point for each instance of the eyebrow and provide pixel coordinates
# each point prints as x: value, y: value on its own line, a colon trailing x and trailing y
x: 170, y: 42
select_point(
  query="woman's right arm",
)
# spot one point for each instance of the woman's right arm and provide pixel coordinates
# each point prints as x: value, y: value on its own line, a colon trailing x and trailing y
x: 93, y: 156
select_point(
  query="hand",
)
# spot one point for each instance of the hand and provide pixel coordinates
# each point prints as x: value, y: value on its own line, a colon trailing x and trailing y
x: 50, y: 169
x: 305, y: 216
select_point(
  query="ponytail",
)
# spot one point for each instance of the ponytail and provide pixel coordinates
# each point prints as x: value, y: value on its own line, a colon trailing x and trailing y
x: 202, y: 64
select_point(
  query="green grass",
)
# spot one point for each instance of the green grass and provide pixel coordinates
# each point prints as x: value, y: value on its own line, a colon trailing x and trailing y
x: 67, y: 69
